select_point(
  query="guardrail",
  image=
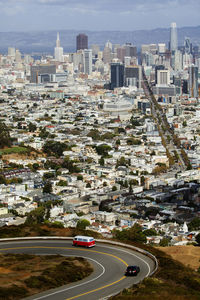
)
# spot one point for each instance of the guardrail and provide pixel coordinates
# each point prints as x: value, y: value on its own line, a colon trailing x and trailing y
x: 142, y: 251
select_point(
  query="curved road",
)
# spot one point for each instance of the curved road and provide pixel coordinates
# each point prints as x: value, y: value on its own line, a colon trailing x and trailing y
x: 109, y: 263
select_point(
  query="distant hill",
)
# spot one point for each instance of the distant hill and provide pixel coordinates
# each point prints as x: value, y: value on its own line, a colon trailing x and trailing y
x: 44, y: 41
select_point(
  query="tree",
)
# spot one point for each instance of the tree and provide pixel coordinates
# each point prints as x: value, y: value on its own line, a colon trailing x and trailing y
x: 5, y: 139
x: 47, y: 188
x: 79, y: 177
x: 88, y: 185
x: 198, y: 238
x: 82, y: 224
x: 150, y: 232
x: 54, y: 148
x: 136, y: 234
x: 103, y: 150
x: 36, y: 216
x: 164, y: 242
x: 101, y: 161
x: 184, y: 123
x: 194, y: 224
x: 114, y: 188
x: 32, y: 127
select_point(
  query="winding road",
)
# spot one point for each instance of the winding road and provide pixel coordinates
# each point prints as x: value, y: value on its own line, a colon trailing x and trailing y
x: 109, y: 263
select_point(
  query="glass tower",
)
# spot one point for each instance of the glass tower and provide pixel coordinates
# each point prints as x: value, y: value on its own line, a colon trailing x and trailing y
x: 173, y: 37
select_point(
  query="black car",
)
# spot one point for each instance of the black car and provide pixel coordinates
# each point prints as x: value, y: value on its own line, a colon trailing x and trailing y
x: 132, y: 271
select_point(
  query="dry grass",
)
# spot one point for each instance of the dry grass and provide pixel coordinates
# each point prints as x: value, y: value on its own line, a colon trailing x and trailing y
x: 24, y: 275
x: 187, y: 255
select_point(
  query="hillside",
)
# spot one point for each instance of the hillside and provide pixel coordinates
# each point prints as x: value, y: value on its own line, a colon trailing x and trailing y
x: 44, y: 41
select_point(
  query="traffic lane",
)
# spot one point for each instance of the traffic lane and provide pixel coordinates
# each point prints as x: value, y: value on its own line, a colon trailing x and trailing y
x: 114, y: 271
x: 112, y: 280
x: 133, y: 257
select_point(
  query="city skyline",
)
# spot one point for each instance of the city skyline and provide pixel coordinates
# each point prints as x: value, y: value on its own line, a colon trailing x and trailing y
x: 15, y: 15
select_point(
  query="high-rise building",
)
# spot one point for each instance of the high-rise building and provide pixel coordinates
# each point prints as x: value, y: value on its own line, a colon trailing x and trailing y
x: 157, y: 68
x: 187, y: 46
x: 193, y: 81
x: 163, y: 77
x: 58, y: 51
x: 11, y: 51
x: 87, y: 61
x: 121, y: 53
x: 107, y: 55
x: 109, y: 45
x: 161, y: 48
x: 41, y: 70
x: 133, y: 76
x: 117, y: 75
x: 130, y: 50
x: 173, y: 37
x: 18, y: 56
x: 81, y: 42
x: 95, y: 50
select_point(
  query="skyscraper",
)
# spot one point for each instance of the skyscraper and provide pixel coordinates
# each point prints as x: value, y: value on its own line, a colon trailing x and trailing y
x: 193, y: 81
x: 117, y: 75
x: 81, y: 42
x: 173, y: 37
x: 58, y: 51
x: 87, y: 61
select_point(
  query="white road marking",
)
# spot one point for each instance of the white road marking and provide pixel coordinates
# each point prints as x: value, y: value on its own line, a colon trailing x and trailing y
x: 149, y: 269
x: 77, y: 285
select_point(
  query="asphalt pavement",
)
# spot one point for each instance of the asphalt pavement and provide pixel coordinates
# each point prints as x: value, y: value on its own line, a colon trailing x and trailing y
x: 109, y: 263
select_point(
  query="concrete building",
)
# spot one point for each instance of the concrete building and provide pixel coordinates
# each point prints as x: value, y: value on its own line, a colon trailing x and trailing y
x: 87, y: 61
x: 41, y: 70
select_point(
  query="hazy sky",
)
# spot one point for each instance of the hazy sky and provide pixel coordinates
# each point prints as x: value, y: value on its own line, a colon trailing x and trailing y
x: 18, y: 15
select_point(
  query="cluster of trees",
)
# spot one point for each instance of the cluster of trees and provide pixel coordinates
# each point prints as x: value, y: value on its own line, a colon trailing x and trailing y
x: 134, y: 234
x: 3, y: 180
x: 133, y: 141
x: 122, y: 162
x: 103, y: 150
x: 54, y: 148
x: 5, y: 139
x: 95, y: 135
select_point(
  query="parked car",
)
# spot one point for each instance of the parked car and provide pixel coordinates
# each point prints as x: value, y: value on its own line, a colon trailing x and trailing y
x: 132, y: 270
x: 86, y: 241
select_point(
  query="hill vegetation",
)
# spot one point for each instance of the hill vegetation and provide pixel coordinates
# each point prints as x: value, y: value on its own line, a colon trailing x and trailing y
x: 22, y: 275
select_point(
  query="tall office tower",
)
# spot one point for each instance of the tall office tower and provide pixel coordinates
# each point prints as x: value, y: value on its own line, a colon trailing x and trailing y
x: 121, y: 53
x: 153, y: 48
x: 58, y: 51
x: 173, y: 37
x: 109, y: 45
x: 11, y: 51
x: 95, y: 50
x: 133, y: 76
x: 163, y: 77
x: 187, y: 46
x: 157, y: 68
x: 130, y: 50
x: 107, y: 55
x: 187, y: 60
x: 18, y: 56
x: 81, y: 42
x: 178, y: 61
x: 87, y: 61
x: 193, y: 81
x: 117, y: 75
x: 161, y: 48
